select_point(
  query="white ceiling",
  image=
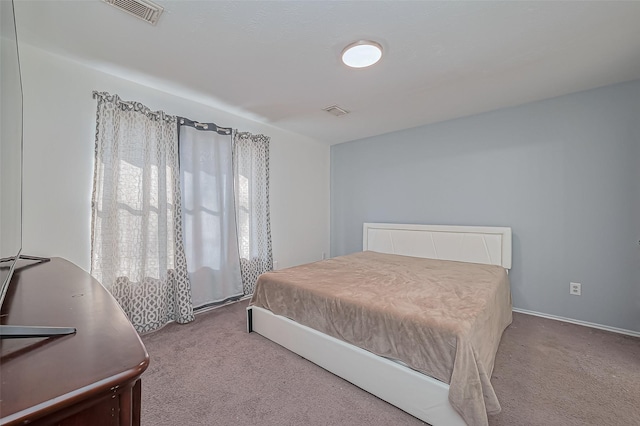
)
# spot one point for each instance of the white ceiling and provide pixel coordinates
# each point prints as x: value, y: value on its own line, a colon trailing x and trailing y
x: 279, y: 61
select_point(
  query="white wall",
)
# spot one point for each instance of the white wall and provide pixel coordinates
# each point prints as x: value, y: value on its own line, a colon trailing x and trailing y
x: 59, y: 138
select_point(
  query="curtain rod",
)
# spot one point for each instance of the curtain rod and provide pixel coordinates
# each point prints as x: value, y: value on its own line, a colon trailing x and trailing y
x: 134, y: 106
x: 161, y: 115
x: 205, y: 126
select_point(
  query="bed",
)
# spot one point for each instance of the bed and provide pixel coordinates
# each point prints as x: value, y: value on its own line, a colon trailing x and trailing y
x: 429, y: 346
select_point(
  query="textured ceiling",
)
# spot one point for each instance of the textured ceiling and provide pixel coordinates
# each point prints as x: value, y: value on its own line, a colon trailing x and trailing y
x: 279, y: 62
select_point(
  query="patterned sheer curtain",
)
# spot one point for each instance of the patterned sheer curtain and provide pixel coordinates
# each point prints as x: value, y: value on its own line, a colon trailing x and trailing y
x: 137, y: 249
x: 251, y: 176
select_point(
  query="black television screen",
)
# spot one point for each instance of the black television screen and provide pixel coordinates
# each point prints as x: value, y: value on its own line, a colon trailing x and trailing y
x: 11, y: 173
x: 10, y: 147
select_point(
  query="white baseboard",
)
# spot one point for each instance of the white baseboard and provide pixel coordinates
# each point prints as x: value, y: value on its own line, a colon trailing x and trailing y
x: 584, y: 323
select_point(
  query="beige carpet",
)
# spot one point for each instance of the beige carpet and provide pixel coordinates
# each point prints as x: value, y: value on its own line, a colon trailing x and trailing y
x: 211, y: 372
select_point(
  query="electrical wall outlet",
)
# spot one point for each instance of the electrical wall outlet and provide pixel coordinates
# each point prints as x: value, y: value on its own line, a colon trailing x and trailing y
x: 575, y: 289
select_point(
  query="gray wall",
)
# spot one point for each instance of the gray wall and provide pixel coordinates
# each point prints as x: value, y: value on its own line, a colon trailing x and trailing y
x: 564, y: 173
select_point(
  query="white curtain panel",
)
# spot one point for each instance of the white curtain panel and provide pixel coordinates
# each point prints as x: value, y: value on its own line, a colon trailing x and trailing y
x: 136, y: 236
x: 210, y: 236
x: 251, y: 167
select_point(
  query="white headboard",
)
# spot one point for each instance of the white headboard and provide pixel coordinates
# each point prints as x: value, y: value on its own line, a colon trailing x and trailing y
x: 476, y: 244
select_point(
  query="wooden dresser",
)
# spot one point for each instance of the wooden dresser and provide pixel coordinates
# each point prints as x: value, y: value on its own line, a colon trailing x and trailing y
x: 88, y: 378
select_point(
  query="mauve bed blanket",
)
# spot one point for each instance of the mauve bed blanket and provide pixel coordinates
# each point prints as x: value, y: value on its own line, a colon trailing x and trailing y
x: 442, y: 318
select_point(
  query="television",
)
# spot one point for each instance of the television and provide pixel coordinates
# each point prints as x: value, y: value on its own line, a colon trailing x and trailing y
x: 11, y: 256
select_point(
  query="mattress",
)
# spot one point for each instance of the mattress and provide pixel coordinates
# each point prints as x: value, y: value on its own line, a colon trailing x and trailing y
x: 442, y: 318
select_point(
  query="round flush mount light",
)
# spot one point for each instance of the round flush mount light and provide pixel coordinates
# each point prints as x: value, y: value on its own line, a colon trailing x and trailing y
x: 361, y: 54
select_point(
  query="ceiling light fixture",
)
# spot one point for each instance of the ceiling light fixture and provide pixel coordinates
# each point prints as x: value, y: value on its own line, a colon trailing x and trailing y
x: 361, y: 54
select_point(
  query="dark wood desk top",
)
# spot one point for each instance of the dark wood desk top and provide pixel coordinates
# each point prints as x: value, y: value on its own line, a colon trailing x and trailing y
x: 41, y: 375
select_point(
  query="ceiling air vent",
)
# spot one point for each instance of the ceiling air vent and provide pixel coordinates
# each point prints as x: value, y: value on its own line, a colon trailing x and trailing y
x: 336, y: 110
x: 143, y: 9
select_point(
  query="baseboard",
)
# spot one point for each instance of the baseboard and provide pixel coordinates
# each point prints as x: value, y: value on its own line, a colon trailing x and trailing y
x: 578, y: 322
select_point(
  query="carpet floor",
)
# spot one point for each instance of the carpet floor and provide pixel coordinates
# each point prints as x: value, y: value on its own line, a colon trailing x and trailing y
x: 211, y: 372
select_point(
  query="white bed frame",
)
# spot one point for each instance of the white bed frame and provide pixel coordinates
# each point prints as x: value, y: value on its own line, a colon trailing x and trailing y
x: 419, y: 395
